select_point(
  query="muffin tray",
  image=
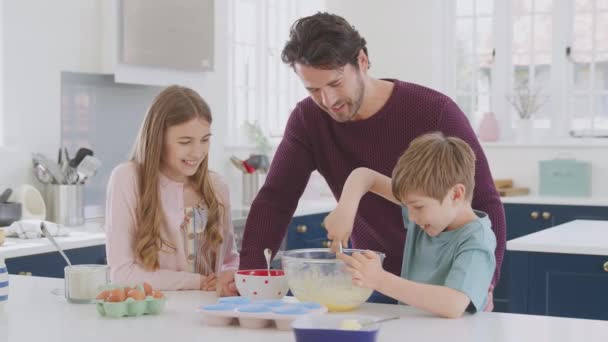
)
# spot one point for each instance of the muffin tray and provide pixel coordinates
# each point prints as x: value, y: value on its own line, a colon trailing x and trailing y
x: 257, y: 314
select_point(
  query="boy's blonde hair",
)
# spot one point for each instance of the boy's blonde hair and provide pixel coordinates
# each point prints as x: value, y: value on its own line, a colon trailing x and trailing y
x: 433, y: 164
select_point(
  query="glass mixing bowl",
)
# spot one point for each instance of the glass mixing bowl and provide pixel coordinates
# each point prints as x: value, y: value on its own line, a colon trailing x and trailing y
x: 315, y: 275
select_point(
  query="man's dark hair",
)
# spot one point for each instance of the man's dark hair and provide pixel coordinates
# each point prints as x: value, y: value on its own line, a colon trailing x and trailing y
x: 324, y: 41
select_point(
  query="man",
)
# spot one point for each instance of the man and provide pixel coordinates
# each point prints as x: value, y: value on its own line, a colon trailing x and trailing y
x: 352, y: 120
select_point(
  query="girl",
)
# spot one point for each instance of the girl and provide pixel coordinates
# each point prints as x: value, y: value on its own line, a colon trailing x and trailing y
x: 167, y: 216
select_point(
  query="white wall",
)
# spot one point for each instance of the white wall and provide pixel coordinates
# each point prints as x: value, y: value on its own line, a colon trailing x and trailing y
x: 41, y: 39
x: 520, y: 163
x: 399, y: 35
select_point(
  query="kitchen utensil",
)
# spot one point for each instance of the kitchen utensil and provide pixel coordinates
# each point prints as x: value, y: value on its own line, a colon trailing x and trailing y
x: 32, y: 203
x: 87, y: 168
x: 71, y: 175
x: 9, y: 213
x: 80, y: 155
x: 42, y: 174
x: 316, y: 275
x: 59, y: 249
x: 267, y: 255
x: 5, y: 195
x: 238, y: 163
x: 257, y: 314
x: 369, y: 323
x: 258, y: 162
x: 64, y: 163
x: 53, y: 169
x: 248, y: 168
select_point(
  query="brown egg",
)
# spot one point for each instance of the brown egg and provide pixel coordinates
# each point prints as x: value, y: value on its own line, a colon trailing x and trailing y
x: 148, y: 289
x: 136, y: 294
x: 103, y: 295
x: 117, y: 295
x: 127, y: 289
x: 157, y: 294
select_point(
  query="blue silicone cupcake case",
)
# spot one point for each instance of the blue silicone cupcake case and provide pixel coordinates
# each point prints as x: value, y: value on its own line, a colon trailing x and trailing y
x: 257, y: 314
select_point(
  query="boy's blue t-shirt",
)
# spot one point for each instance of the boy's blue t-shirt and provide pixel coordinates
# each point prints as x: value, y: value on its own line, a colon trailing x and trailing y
x: 461, y: 259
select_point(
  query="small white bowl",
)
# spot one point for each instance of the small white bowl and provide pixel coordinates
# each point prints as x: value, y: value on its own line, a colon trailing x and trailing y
x: 260, y: 285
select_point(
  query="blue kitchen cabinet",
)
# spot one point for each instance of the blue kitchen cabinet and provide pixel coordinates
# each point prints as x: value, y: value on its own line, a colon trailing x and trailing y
x: 564, y: 285
x: 524, y: 219
x: 52, y: 264
x: 307, y: 232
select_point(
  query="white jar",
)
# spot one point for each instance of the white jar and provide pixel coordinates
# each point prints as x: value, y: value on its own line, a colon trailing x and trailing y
x: 3, y: 285
x: 83, y: 282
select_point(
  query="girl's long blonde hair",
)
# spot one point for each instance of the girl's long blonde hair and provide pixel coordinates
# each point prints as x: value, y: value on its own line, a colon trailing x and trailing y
x: 173, y: 106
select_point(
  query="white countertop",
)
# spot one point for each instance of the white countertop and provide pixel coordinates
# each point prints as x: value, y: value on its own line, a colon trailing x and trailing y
x: 89, y: 234
x: 575, y: 201
x: 33, y: 313
x: 576, y: 237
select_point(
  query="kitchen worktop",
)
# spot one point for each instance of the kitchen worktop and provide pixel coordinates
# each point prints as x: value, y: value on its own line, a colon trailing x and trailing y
x: 557, y: 200
x: 577, y: 237
x: 35, y: 313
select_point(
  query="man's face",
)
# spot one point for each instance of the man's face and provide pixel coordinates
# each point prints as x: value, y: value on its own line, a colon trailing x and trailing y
x: 339, y: 92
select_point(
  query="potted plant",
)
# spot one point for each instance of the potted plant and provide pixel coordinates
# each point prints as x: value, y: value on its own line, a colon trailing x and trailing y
x: 526, y: 102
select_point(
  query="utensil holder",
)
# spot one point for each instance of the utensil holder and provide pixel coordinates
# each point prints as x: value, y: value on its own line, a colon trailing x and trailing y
x: 65, y: 204
x: 251, y: 185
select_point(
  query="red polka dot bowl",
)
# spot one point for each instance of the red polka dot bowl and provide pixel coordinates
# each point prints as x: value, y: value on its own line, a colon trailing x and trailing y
x: 261, y: 284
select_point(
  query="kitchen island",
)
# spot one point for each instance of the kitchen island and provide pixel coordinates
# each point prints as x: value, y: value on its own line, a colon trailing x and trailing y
x: 35, y: 313
x: 561, y: 271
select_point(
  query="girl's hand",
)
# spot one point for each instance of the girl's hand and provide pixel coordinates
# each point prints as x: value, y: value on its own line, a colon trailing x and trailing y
x: 226, y: 285
x: 209, y: 282
x: 339, y: 226
x: 365, y: 269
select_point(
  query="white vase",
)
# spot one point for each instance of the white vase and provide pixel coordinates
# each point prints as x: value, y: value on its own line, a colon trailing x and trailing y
x: 524, y: 132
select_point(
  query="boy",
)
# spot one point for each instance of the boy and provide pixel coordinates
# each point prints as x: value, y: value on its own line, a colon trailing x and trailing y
x: 449, y: 251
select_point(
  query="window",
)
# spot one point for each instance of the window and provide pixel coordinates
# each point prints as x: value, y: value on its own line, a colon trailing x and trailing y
x: 557, y: 49
x: 474, y: 54
x: 589, y: 65
x: 261, y: 88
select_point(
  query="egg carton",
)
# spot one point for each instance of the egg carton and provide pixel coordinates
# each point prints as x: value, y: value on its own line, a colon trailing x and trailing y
x: 129, y: 307
x: 257, y: 314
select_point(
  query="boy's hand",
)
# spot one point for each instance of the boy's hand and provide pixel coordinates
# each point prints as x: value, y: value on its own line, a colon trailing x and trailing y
x: 339, y: 226
x: 365, y: 268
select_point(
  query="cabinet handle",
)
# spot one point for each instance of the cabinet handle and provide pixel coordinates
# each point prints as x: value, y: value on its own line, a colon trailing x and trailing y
x: 302, y: 229
x: 534, y: 215
x: 326, y: 244
x: 606, y: 266
x: 546, y: 215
